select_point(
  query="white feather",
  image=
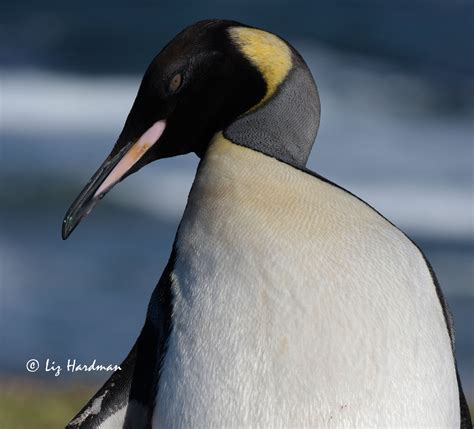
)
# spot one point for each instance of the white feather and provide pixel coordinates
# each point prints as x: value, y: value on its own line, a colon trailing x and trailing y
x: 297, y: 305
x: 115, y: 420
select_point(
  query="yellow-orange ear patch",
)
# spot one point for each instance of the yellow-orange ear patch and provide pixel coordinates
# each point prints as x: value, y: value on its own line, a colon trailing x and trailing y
x: 267, y: 52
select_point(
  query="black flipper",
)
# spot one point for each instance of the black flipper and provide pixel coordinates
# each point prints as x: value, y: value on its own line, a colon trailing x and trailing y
x: 448, y: 317
x: 466, y: 422
x: 110, y: 398
x: 135, y: 385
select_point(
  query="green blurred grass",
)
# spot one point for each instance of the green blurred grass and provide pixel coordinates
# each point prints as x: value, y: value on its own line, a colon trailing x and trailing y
x: 40, y: 405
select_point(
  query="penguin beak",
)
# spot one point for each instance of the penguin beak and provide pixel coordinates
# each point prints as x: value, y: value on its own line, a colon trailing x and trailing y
x: 114, y: 168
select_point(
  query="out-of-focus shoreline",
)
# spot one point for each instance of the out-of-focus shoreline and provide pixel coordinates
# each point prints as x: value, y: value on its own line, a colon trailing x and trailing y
x: 40, y: 404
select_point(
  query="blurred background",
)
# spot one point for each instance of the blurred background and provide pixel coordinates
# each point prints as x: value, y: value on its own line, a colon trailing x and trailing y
x: 396, y: 81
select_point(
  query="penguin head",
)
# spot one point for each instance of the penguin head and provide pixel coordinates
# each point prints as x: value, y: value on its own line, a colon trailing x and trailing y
x: 214, y: 76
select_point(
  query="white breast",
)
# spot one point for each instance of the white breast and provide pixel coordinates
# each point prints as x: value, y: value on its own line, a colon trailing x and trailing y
x: 295, y: 304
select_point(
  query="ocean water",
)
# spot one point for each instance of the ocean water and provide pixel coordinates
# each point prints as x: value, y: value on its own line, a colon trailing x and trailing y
x: 384, y: 135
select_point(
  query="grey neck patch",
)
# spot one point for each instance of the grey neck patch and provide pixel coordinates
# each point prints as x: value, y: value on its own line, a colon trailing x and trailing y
x: 286, y: 125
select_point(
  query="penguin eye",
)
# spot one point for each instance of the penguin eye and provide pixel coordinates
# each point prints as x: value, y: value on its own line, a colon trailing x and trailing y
x: 175, y: 82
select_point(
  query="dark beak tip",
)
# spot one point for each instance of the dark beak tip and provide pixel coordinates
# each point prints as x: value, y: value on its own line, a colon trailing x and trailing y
x: 76, y: 213
x: 69, y: 224
x: 65, y: 230
x: 87, y: 198
x: 64, y: 234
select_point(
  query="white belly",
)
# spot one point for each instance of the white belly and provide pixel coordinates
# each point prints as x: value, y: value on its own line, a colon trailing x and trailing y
x: 295, y: 304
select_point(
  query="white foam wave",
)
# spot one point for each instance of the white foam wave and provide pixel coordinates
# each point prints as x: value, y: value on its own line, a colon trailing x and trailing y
x: 41, y: 102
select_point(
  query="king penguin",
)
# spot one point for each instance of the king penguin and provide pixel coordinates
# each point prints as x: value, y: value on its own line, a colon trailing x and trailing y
x: 287, y: 301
